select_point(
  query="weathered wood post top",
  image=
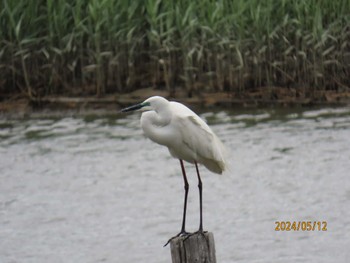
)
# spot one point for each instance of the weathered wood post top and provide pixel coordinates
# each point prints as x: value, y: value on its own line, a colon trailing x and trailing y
x: 197, y: 248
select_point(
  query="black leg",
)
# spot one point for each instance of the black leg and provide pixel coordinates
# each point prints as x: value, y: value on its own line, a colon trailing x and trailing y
x: 200, y: 187
x: 186, y: 186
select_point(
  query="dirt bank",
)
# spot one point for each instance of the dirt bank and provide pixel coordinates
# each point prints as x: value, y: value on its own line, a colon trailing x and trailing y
x: 264, y: 97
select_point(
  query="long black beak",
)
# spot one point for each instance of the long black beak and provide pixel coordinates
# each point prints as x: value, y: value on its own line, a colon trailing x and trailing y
x: 132, y: 108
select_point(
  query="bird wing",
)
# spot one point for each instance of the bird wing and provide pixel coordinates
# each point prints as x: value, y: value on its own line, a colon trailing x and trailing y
x: 198, y: 136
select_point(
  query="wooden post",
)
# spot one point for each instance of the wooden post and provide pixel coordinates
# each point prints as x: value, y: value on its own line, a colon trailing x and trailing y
x: 198, y: 248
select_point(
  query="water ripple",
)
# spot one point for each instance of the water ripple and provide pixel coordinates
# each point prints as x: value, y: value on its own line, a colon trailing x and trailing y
x: 82, y: 188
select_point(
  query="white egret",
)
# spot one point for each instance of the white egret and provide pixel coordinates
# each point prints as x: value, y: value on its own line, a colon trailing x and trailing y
x: 187, y: 137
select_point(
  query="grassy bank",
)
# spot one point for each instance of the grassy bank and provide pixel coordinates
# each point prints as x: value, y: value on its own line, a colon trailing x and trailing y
x: 95, y: 47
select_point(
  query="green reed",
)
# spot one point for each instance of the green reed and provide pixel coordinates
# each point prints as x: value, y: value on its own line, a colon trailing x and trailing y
x: 103, y: 46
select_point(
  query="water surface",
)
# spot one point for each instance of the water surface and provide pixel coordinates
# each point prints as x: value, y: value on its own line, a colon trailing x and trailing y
x: 94, y: 189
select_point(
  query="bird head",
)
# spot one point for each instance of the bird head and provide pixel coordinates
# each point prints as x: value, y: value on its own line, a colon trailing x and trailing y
x: 152, y: 103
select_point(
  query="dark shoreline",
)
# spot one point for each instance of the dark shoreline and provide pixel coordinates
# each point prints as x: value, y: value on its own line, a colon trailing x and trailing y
x: 276, y: 97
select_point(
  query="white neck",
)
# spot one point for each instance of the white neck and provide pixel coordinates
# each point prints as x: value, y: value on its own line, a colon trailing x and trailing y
x: 154, y: 125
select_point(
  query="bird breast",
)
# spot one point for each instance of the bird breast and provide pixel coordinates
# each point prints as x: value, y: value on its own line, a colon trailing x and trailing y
x: 156, y: 129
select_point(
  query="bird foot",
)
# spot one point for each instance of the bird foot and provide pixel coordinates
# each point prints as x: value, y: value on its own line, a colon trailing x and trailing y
x: 181, y: 234
x: 200, y: 231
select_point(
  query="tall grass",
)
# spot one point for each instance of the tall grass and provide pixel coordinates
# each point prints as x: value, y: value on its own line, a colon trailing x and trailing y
x: 102, y: 46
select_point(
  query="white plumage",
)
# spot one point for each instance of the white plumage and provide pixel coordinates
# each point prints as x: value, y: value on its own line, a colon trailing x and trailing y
x: 185, y: 134
x: 187, y: 137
